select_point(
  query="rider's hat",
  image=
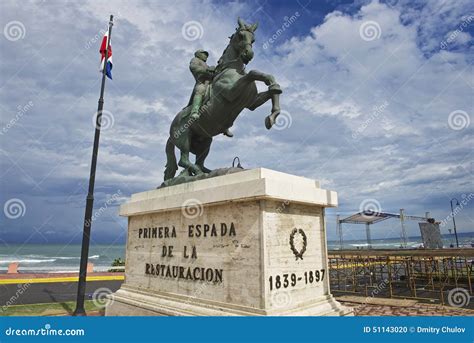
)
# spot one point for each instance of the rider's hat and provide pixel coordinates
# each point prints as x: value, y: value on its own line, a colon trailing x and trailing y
x: 200, y: 51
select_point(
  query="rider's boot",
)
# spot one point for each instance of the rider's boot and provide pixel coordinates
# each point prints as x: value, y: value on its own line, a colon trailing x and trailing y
x: 197, y: 100
x: 228, y: 133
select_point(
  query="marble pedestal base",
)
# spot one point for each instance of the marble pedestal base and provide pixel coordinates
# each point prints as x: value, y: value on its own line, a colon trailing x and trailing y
x: 249, y: 243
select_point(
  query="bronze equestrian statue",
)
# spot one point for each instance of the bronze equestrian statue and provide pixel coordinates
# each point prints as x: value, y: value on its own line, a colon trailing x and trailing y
x: 229, y: 90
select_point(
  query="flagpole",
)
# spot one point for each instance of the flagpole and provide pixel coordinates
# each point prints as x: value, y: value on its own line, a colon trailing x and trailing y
x: 81, y: 287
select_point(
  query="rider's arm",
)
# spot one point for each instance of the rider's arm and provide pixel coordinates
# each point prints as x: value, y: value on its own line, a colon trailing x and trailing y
x: 201, y: 69
x: 197, y: 68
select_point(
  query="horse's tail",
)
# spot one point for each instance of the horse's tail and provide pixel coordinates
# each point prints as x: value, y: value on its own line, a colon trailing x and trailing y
x: 171, y: 165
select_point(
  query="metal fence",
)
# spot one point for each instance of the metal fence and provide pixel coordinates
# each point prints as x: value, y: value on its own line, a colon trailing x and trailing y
x: 409, y: 274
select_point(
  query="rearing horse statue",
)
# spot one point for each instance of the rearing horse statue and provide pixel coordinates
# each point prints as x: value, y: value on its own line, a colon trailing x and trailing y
x: 231, y: 91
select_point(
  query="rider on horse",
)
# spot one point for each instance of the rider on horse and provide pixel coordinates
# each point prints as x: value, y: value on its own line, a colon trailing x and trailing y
x: 233, y: 90
x: 203, y: 75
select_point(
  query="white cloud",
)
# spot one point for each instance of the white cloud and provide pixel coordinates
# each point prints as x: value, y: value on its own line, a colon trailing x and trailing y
x: 334, y: 83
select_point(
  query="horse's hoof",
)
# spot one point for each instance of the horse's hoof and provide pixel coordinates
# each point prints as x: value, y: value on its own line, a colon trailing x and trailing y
x: 269, y: 121
x: 197, y: 171
x: 275, y: 89
x: 205, y: 170
x: 185, y: 172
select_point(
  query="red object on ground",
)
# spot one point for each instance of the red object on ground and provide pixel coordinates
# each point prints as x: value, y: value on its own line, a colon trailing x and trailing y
x: 13, y: 268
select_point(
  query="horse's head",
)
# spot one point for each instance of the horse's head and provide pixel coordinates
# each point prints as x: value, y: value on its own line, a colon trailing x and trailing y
x: 243, y: 39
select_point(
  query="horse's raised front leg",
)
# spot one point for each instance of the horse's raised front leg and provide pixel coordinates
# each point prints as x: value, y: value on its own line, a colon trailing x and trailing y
x: 273, y: 93
x: 262, y: 98
x: 268, y: 79
x: 271, y: 119
x: 230, y: 91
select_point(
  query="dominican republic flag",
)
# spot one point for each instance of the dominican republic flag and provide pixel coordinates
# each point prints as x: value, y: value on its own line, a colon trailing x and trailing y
x: 103, y: 46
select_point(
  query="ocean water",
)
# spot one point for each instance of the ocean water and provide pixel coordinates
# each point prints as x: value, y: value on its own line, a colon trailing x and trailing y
x: 57, y: 258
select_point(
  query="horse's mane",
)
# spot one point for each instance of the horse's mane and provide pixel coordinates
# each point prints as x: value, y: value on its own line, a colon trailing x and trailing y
x: 220, y: 61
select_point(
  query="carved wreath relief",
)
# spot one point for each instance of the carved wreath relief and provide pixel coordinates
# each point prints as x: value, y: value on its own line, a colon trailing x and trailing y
x: 298, y: 252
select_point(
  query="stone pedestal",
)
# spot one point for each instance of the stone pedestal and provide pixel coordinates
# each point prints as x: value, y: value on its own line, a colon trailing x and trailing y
x: 249, y: 243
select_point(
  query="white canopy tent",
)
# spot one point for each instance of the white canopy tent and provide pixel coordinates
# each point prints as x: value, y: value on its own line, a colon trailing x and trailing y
x: 370, y: 217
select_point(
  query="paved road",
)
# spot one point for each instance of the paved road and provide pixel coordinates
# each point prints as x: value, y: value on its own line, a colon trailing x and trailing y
x: 49, y: 292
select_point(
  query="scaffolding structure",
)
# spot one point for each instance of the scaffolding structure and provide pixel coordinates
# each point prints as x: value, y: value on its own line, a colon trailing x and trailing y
x: 370, y: 217
x: 409, y: 274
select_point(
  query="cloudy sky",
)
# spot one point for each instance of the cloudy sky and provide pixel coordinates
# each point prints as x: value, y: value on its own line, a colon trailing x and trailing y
x: 378, y: 105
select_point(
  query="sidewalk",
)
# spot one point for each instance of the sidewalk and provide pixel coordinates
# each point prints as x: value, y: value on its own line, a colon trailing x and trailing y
x: 399, y: 307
